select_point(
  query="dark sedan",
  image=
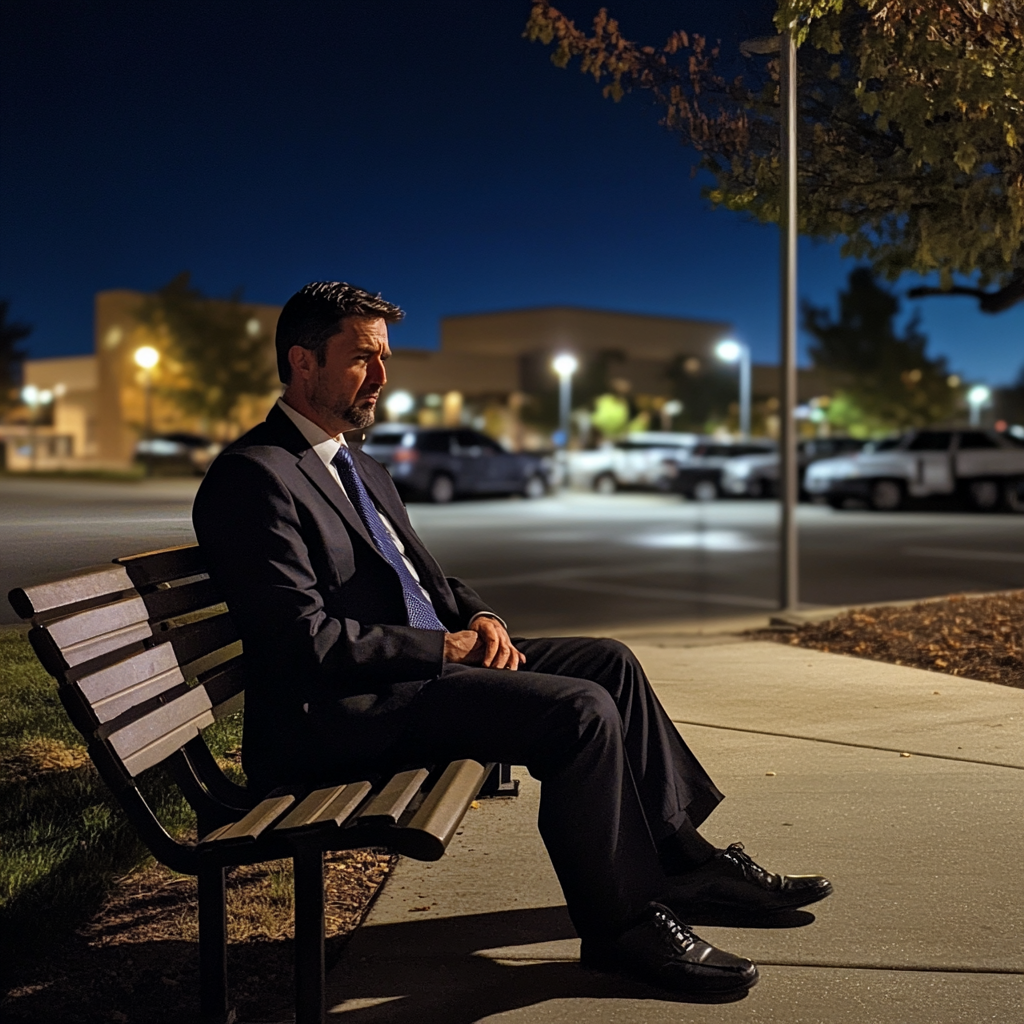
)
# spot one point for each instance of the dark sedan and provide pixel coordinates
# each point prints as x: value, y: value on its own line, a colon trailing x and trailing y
x: 442, y: 464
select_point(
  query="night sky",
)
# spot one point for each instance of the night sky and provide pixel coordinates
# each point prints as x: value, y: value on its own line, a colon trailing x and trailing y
x: 425, y: 150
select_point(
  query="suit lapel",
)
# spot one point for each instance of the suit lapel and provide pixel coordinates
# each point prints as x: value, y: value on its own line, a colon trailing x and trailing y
x: 312, y: 465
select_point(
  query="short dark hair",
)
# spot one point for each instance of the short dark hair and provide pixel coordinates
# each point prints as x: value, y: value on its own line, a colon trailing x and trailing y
x: 315, y: 313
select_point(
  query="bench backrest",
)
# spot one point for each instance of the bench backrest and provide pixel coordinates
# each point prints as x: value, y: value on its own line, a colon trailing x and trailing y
x: 146, y: 656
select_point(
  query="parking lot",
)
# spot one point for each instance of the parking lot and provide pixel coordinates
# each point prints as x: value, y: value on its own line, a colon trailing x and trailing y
x: 574, y: 561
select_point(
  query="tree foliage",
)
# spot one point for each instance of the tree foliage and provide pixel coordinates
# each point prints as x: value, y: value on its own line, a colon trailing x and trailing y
x: 11, y: 356
x: 887, y: 380
x: 910, y: 128
x: 215, y: 357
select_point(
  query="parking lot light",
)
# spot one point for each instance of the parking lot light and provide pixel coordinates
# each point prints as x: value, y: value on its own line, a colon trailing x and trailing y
x: 565, y: 365
x: 399, y: 404
x: 978, y: 397
x: 731, y: 351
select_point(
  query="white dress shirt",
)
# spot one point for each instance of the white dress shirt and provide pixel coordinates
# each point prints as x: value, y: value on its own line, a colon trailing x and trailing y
x: 326, y: 448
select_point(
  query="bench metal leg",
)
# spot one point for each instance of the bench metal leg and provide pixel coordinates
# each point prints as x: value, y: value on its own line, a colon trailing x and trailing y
x: 310, y: 1006
x: 500, y: 782
x: 213, y: 947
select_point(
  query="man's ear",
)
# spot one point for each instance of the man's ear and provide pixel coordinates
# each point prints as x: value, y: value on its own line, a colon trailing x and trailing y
x: 301, y: 361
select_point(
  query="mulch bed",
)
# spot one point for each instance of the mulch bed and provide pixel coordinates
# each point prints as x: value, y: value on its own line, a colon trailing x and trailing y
x: 136, y: 961
x: 975, y: 637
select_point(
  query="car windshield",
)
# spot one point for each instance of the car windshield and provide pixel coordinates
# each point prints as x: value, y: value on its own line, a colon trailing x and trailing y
x: 882, y: 446
x: 391, y: 438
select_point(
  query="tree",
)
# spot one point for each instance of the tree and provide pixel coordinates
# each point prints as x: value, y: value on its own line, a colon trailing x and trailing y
x: 910, y: 137
x: 11, y: 356
x: 886, y: 379
x: 216, y: 351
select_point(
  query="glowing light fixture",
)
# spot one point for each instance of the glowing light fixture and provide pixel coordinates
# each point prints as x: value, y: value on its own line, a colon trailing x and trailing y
x: 399, y: 403
x: 146, y: 357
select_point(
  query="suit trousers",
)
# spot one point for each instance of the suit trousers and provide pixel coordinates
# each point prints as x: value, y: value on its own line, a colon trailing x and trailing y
x: 616, y: 776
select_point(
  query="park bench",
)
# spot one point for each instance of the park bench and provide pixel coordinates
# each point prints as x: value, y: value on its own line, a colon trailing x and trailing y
x: 146, y: 657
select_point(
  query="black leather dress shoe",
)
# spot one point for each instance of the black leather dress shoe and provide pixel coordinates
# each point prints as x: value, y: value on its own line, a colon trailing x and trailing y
x: 732, y: 879
x: 662, y: 950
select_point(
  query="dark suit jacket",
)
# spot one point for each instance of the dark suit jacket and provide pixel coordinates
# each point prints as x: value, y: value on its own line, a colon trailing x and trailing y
x: 332, y: 660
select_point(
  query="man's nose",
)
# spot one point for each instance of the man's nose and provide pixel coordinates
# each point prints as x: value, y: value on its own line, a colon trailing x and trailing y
x: 377, y: 372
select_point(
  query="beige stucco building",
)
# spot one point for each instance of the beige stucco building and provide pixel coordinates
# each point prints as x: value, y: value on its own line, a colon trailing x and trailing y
x: 486, y: 364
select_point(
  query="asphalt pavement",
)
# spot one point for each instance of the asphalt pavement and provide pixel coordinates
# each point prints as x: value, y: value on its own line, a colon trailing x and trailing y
x: 572, y: 562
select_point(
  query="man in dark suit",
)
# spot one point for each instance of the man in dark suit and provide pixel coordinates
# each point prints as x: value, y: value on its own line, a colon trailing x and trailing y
x: 364, y: 657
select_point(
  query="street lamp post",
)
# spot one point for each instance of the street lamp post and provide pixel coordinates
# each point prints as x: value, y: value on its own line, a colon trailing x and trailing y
x: 789, y: 566
x: 146, y: 357
x: 565, y: 366
x: 978, y: 397
x: 730, y: 351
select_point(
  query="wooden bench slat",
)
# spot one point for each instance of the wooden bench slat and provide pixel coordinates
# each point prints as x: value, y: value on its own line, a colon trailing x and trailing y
x: 249, y: 828
x: 162, y: 566
x: 83, y: 586
x: 188, y: 598
x: 82, y: 628
x: 154, y: 737
x: 126, y: 684
x: 387, y: 806
x: 227, y: 689
x: 331, y: 806
x: 444, y: 808
x: 194, y: 642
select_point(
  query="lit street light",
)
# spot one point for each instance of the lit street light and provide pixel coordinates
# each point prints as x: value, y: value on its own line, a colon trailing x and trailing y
x: 978, y: 397
x: 730, y: 351
x: 34, y: 398
x: 398, y: 404
x: 146, y: 357
x: 565, y: 366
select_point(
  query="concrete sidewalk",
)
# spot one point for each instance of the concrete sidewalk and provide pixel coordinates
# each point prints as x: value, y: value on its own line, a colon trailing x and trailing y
x: 925, y: 852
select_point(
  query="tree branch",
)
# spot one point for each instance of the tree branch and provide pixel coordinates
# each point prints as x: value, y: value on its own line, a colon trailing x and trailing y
x: 988, y: 302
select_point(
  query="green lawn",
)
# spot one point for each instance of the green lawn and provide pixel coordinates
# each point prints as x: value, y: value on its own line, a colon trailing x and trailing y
x: 63, y: 839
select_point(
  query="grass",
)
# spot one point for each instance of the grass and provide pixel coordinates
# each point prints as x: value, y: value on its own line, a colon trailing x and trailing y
x: 65, y: 840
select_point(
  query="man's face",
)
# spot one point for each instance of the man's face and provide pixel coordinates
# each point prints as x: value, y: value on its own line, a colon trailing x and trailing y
x: 343, y: 392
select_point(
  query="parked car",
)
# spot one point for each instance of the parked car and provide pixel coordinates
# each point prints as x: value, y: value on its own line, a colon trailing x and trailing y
x: 172, y: 454
x: 637, y: 461
x: 698, y: 473
x: 980, y: 467
x: 441, y: 464
x: 757, y: 476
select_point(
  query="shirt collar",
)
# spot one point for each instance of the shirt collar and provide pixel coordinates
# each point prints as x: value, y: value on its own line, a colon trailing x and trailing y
x: 321, y: 442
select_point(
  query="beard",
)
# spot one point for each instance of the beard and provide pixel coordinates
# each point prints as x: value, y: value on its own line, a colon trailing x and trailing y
x: 360, y: 417
x: 356, y: 413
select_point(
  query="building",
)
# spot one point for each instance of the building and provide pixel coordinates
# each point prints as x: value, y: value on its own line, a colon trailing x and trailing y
x: 489, y: 368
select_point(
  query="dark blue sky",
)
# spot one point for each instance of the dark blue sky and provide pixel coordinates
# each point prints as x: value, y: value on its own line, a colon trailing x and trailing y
x: 421, y: 149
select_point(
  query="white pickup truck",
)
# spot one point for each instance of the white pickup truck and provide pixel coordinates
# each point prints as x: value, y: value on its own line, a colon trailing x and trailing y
x: 637, y: 461
x: 983, y: 468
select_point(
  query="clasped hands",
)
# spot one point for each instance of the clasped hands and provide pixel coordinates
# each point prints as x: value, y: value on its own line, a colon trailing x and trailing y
x: 485, y: 643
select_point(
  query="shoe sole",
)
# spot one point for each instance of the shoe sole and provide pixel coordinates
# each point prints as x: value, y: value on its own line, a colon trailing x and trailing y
x: 801, y: 901
x: 723, y: 995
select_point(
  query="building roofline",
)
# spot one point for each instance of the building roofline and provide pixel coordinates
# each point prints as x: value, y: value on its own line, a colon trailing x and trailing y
x: 587, y: 309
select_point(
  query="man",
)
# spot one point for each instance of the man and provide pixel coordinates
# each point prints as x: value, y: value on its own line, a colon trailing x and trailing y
x: 365, y: 657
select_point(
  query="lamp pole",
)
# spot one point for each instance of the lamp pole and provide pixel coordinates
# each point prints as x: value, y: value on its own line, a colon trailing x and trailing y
x: 565, y: 366
x: 789, y: 563
x: 789, y: 553
x: 730, y: 351
x: 146, y: 357
x: 977, y: 397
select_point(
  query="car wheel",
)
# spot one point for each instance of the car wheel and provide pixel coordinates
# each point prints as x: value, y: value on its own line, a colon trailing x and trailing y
x: 984, y: 494
x: 755, y: 488
x: 534, y: 487
x: 442, y: 489
x: 705, y: 490
x: 606, y: 484
x: 886, y: 495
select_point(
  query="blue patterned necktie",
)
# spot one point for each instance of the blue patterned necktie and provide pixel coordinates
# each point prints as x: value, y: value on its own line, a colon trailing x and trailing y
x: 420, y: 611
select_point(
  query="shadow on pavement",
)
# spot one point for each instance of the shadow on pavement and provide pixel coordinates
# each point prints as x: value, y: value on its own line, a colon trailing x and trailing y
x: 458, y: 970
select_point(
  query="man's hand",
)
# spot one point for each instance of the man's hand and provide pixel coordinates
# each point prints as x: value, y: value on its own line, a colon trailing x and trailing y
x: 485, y: 643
